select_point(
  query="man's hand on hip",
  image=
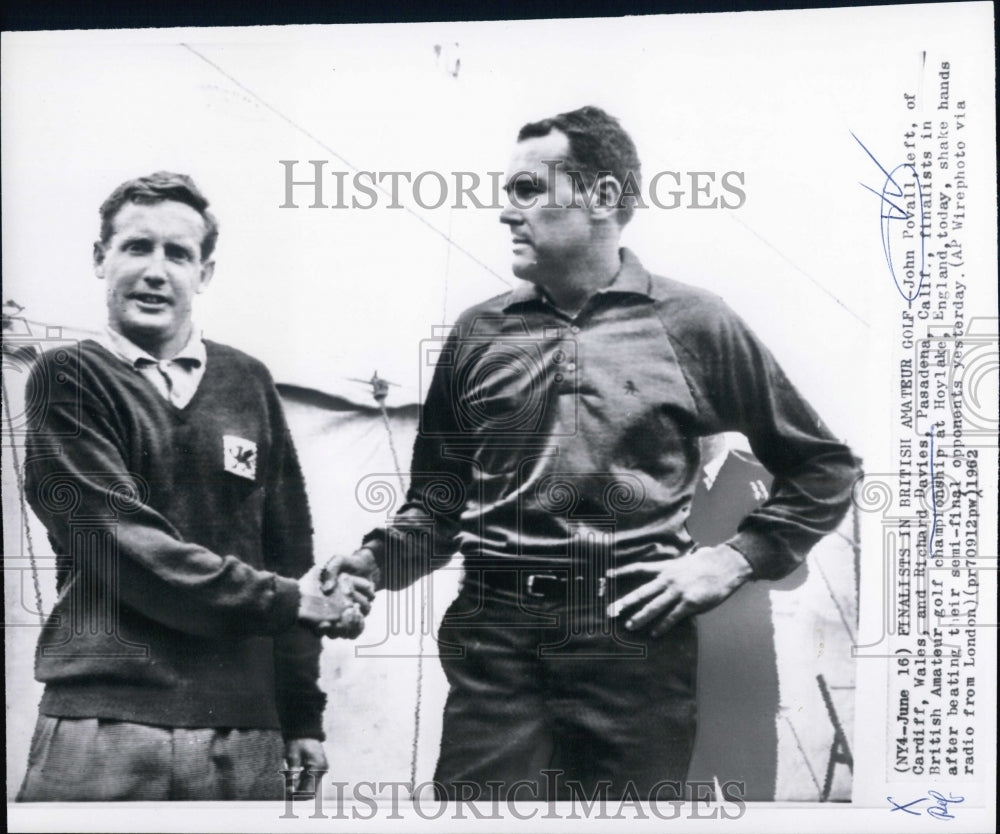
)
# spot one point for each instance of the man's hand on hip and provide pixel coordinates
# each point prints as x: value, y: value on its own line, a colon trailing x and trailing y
x: 678, y: 588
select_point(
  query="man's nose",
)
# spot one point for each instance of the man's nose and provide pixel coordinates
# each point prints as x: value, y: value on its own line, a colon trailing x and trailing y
x: 156, y: 268
x: 510, y: 215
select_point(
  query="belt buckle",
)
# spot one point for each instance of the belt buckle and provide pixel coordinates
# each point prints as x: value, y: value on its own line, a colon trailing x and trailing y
x: 529, y: 585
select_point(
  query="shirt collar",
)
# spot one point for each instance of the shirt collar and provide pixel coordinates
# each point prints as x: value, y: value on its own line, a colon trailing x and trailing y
x: 192, y: 353
x: 631, y: 279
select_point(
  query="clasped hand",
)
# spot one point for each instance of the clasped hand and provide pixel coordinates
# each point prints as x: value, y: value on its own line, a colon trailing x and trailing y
x: 361, y: 564
x: 335, y: 606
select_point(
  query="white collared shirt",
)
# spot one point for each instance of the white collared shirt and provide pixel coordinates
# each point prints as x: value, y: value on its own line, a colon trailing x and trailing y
x: 176, y: 379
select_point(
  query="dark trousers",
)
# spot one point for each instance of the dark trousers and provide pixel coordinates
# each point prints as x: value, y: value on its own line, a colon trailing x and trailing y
x: 536, y: 686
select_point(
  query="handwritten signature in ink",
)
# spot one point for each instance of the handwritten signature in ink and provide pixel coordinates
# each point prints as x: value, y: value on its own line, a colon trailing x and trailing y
x: 897, y: 218
x: 938, y: 810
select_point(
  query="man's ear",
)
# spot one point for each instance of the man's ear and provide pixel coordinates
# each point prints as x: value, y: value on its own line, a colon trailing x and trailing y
x: 99, y: 252
x: 609, y: 193
x: 207, y: 271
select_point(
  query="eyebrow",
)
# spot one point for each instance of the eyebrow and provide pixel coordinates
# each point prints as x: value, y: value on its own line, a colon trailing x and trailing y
x: 138, y: 238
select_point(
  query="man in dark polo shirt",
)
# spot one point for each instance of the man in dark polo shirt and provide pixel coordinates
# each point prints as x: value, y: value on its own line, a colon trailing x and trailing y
x: 181, y: 658
x: 559, y: 453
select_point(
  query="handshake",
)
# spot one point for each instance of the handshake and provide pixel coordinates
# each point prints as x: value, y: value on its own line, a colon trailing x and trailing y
x: 336, y: 597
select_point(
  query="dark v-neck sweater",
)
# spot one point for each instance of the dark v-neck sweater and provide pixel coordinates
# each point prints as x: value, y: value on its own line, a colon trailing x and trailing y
x: 178, y: 534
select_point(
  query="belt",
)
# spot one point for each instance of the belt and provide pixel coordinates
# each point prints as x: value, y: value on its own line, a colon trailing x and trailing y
x: 533, y: 583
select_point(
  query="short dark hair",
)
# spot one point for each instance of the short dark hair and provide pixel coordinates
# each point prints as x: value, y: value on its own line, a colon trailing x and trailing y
x: 597, y: 144
x: 157, y: 188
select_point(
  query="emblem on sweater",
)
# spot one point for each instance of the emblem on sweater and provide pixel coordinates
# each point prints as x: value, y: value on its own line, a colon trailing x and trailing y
x: 240, y: 456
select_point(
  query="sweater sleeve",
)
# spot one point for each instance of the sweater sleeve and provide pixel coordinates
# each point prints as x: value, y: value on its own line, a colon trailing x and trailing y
x: 76, y: 469
x: 288, y: 549
x: 424, y: 533
x: 746, y: 391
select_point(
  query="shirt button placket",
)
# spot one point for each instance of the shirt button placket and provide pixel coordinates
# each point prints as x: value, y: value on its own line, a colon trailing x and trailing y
x: 572, y: 349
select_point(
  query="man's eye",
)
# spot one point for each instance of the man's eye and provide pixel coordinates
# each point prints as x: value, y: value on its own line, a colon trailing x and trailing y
x: 177, y: 253
x: 526, y: 189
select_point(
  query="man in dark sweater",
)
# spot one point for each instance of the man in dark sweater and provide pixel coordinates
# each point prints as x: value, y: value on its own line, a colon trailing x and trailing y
x: 181, y: 658
x: 559, y: 452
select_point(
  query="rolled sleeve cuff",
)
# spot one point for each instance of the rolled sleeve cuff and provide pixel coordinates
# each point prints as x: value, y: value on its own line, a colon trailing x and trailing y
x: 769, y: 554
x: 284, y: 610
x: 306, y: 720
x: 375, y: 542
